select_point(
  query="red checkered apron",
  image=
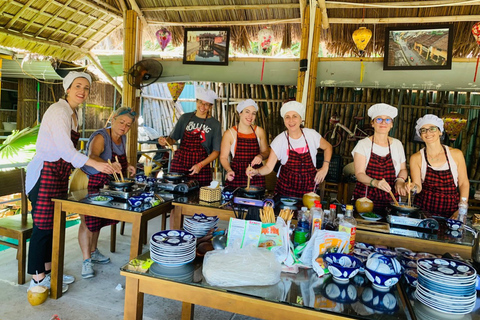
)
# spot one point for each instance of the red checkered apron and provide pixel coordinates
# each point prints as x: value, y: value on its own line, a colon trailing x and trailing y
x: 190, y: 153
x: 246, y: 150
x: 378, y: 168
x: 96, y: 182
x: 439, y: 194
x: 297, y: 176
x: 53, y: 184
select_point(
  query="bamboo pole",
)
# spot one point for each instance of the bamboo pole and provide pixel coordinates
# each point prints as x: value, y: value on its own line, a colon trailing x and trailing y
x: 303, y: 52
x: 313, y: 69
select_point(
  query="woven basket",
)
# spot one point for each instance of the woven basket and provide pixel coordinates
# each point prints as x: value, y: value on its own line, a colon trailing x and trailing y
x: 210, y: 195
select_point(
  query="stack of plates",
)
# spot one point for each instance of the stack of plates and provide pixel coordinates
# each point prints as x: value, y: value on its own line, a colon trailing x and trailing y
x: 172, y: 248
x: 200, y: 224
x: 446, y: 285
x: 181, y: 274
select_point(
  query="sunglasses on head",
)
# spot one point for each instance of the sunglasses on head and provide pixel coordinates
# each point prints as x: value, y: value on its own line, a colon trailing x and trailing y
x: 128, y: 111
x: 431, y: 129
x: 380, y: 120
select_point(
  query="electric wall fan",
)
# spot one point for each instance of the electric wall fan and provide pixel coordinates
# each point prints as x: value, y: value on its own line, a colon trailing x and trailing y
x: 144, y: 73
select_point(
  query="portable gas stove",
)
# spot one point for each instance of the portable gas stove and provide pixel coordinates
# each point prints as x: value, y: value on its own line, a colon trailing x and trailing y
x: 123, y: 192
x: 416, y: 221
x: 178, y: 186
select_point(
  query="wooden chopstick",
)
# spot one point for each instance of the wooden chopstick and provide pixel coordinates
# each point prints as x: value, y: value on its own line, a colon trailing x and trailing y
x: 121, y: 174
x: 394, y: 200
x: 114, y: 174
x: 248, y: 179
x: 409, y: 201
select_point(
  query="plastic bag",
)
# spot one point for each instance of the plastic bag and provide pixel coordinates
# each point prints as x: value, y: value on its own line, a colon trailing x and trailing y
x: 241, y: 267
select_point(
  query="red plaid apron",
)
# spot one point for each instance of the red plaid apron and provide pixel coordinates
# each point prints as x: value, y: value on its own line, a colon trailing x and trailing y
x: 190, y: 153
x: 378, y: 168
x: 439, y: 194
x: 53, y: 184
x: 246, y: 150
x: 96, y: 182
x: 297, y: 176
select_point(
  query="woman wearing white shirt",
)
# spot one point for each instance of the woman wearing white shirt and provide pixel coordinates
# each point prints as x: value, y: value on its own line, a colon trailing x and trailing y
x: 379, y: 160
x: 49, y: 170
x: 296, y: 148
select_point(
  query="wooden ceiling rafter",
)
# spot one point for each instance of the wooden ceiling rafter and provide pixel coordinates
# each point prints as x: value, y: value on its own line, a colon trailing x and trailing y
x: 54, y: 18
x: 223, y: 23
x: 323, y: 11
x: 102, y: 5
x: 400, y: 5
x: 70, y: 19
x: 40, y: 12
x: 137, y: 9
x: 95, y: 34
x: 402, y: 20
x: 19, y: 14
x: 226, y: 7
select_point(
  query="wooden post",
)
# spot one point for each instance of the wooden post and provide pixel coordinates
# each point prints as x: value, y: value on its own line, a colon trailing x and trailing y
x: 132, y: 26
x: 313, y: 70
x: 303, y: 52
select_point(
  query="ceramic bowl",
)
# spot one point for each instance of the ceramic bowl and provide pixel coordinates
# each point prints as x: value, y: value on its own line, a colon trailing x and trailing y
x: 363, y: 245
x: 382, y: 281
x: 384, y: 272
x: 386, y: 252
x: 288, y: 201
x: 380, y: 301
x: 339, y: 292
x: 151, y: 181
x: 411, y: 276
x: 342, y: 266
x: 454, y: 224
x: 140, y: 178
x: 135, y: 201
x: 147, y: 196
x: 227, y: 195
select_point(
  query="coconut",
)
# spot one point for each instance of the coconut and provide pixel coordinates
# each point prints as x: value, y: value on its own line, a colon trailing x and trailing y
x: 364, y: 205
x: 37, y: 295
x: 309, y: 199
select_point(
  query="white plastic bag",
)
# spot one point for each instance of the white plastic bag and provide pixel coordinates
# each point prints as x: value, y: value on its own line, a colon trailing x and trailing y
x: 241, y: 267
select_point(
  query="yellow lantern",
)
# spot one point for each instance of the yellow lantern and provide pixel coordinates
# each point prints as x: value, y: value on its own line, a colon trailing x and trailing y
x: 362, y: 37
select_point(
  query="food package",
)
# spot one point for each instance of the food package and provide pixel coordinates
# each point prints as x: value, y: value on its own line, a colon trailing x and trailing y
x: 140, y: 265
x: 234, y: 267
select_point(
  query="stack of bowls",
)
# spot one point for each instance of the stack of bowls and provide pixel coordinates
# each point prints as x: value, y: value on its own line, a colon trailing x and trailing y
x: 383, y: 271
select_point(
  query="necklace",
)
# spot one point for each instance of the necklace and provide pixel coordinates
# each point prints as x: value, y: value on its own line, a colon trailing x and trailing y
x: 436, y: 157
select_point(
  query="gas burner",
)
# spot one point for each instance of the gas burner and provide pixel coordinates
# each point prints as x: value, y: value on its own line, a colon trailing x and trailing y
x: 181, y: 186
x: 122, y: 192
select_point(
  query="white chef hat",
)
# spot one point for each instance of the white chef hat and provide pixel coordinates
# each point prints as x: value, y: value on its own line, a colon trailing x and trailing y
x: 382, y: 109
x: 429, y: 119
x: 293, y: 106
x: 72, y: 75
x: 206, y: 95
x: 246, y: 103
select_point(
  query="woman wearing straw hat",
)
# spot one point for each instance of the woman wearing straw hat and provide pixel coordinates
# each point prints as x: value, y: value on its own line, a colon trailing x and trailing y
x: 296, y: 148
x: 439, y: 173
x: 49, y: 170
x: 247, y: 144
x: 104, y: 144
x: 200, y: 136
x: 379, y: 160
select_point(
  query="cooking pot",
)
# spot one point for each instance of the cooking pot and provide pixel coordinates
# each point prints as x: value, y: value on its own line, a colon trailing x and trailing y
x: 403, y: 208
x: 122, y: 184
x: 252, y: 190
x: 173, y: 176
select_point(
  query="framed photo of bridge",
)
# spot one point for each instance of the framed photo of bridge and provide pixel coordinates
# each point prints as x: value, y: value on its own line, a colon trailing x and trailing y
x: 418, y: 47
x: 206, y: 46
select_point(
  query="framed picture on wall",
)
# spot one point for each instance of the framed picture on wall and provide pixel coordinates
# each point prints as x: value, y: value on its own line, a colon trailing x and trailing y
x: 418, y: 48
x: 206, y: 46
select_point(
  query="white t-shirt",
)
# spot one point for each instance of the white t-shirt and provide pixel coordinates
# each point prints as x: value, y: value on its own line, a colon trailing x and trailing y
x: 281, y: 148
x: 453, y: 166
x: 364, y: 147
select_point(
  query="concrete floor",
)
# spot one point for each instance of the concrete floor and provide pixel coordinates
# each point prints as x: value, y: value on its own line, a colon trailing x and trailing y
x: 94, y: 298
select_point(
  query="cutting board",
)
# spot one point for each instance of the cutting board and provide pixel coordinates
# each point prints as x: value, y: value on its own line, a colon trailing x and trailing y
x: 373, y: 225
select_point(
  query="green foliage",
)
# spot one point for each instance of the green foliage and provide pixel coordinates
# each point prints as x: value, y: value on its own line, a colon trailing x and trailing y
x: 19, y: 147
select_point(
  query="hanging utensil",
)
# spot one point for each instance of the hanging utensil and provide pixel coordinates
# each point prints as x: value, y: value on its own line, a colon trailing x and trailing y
x: 121, y: 174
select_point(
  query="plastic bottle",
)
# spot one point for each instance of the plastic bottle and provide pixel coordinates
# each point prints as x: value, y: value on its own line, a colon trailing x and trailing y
x: 462, y: 210
x: 348, y: 224
x: 302, y: 230
x: 317, y: 216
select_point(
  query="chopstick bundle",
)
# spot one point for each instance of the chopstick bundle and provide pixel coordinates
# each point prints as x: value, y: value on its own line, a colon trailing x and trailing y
x: 248, y: 179
x: 267, y: 215
x: 286, y: 215
x: 121, y: 174
x: 394, y: 200
x: 114, y: 174
x: 409, y: 193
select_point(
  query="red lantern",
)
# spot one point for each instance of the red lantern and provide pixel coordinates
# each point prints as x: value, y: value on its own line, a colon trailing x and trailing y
x: 476, y: 34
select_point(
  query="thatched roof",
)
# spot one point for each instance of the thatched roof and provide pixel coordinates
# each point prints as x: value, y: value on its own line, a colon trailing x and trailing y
x: 69, y: 29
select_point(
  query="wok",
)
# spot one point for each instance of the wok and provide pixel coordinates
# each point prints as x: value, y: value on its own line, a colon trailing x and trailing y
x: 402, y: 207
x: 252, y: 190
x: 121, y: 184
x: 172, y: 176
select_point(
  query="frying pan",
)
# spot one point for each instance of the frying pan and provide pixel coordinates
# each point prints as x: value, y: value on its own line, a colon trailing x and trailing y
x: 120, y: 184
x: 403, y: 207
x: 172, y: 176
x: 252, y: 190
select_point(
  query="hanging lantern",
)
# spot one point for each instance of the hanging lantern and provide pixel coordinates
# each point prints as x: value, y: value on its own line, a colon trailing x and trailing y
x: 265, y: 39
x: 176, y: 89
x: 453, y: 124
x: 163, y: 36
x: 476, y: 34
x: 362, y: 37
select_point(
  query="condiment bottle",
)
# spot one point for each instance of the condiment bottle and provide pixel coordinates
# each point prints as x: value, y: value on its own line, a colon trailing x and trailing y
x: 348, y: 224
x: 463, y: 210
x: 302, y: 230
x: 317, y: 216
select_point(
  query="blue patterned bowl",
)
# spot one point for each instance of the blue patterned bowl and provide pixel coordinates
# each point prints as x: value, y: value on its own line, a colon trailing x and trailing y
x: 380, y: 301
x: 140, y: 178
x: 454, y: 224
x: 135, y: 201
x: 384, y: 272
x: 342, y: 266
x: 147, y: 196
x: 339, y: 292
x: 151, y: 181
x: 411, y: 276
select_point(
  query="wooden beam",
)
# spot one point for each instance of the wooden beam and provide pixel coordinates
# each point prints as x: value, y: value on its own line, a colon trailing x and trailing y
x: 42, y: 41
x: 69, y: 19
x: 223, y: 23
x: 225, y: 7
x: 323, y: 9
x: 101, y: 4
x: 303, y: 52
x: 135, y: 7
x: 303, y: 5
x: 65, y: 5
x: 407, y: 20
x: 19, y: 14
x: 91, y: 56
x: 403, y: 4
x: 40, y: 12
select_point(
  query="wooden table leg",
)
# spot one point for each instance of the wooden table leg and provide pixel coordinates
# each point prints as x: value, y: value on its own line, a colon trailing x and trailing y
x: 187, y: 311
x: 176, y: 215
x: 113, y: 237
x: 133, y: 309
x: 136, y: 243
x: 58, y: 249
x: 22, y: 257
